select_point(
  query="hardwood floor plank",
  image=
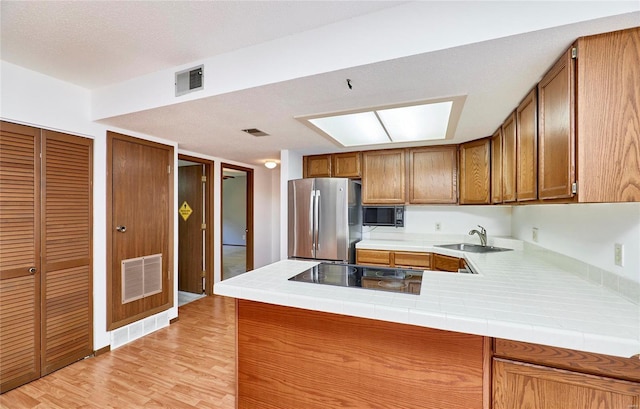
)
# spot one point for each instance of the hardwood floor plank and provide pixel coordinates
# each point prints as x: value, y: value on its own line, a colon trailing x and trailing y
x: 190, y: 364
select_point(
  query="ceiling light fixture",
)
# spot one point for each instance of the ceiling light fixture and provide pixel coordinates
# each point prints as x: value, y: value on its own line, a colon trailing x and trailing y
x: 270, y: 164
x: 412, y: 122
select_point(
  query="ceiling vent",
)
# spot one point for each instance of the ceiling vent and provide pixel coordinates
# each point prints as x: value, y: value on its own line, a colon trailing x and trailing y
x: 189, y: 80
x: 255, y: 132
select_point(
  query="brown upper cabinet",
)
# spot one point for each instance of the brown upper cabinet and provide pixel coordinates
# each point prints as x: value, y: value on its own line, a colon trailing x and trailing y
x: 474, y: 171
x: 527, y: 148
x: 509, y: 159
x: 383, y: 180
x: 496, y: 167
x: 339, y: 165
x: 588, y: 132
x: 433, y: 174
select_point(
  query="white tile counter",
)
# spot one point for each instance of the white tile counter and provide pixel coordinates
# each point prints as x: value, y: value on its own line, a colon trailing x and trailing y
x: 515, y: 295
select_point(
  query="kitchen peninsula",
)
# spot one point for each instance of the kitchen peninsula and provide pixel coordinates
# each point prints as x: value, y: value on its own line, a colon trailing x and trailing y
x: 310, y: 345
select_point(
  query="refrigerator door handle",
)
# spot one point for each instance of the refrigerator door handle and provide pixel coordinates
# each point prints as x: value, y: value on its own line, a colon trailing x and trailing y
x: 312, y: 220
x: 317, y: 221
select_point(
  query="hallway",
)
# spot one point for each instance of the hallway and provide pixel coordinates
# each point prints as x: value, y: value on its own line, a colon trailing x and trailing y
x: 190, y: 364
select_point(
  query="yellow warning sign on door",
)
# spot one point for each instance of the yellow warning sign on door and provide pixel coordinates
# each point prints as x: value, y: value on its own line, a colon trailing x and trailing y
x: 185, y: 210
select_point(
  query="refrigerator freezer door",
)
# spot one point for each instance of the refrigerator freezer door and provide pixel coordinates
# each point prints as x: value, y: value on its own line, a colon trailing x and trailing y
x: 301, y: 217
x: 332, y: 225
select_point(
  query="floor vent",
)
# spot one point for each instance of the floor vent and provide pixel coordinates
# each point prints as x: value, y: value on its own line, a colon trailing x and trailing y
x: 141, y: 277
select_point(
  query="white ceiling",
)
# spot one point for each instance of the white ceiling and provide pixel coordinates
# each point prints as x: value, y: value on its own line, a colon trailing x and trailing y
x: 98, y: 45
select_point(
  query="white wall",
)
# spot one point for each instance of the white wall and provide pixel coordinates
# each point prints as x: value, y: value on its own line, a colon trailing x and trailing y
x: 586, y: 232
x: 30, y: 98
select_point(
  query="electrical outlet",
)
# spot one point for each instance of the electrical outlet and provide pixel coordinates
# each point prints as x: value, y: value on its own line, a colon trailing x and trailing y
x: 618, y: 254
x: 438, y: 226
x: 534, y: 234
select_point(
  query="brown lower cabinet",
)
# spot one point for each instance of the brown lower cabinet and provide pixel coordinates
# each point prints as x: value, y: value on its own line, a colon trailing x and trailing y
x: 542, y: 377
x: 294, y: 358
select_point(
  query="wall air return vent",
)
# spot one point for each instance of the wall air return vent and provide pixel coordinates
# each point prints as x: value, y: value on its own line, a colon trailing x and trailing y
x: 189, y: 80
x: 141, y: 277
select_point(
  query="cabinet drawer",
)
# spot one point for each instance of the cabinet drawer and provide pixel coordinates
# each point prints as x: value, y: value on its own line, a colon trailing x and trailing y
x: 377, y: 257
x: 597, y: 364
x: 412, y: 259
x: 445, y: 263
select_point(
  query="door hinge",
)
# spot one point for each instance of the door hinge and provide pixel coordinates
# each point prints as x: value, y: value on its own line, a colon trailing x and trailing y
x: 203, y: 226
x: 574, y: 52
x: 203, y: 178
x: 203, y: 274
x: 574, y: 187
x: 169, y: 169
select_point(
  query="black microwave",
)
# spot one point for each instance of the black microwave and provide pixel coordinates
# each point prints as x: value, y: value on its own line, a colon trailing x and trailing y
x: 383, y: 216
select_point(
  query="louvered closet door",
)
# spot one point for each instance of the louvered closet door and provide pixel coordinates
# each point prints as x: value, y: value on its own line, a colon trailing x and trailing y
x: 67, y: 324
x: 19, y: 255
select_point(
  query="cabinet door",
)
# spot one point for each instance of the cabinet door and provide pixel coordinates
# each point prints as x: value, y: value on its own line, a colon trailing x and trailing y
x: 496, y: 167
x: 374, y: 257
x: 509, y: 159
x: 433, y: 175
x: 412, y: 259
x: 474, y: 172
x: 556, y: 134
x: 445, y: 263
x: 383, y: 177
x: 345, y: 165
x: 527, y: 148
x: 317, y: 166
x: 520, y: 385
x: 608, y: 117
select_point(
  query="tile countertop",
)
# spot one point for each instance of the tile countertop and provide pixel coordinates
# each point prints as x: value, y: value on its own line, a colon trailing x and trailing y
x: 516, y: 295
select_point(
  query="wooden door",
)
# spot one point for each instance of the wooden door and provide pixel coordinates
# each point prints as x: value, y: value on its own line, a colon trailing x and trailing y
x: 67, y: 248
x: 346, y: 165
x: 496, y: 167
x: 520, y: 385
x: 527, y: 148
x: 19, y: 255
x: 433, y: 175
x: 383, y: 176
x: 509, y: 159
x: 317, y: 166
x: 190, y: 232
x: 140, y: 220
x: 556, y: 130
x: 474, y: 172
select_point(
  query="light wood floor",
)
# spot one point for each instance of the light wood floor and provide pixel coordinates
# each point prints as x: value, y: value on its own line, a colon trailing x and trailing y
x: 190, y: 364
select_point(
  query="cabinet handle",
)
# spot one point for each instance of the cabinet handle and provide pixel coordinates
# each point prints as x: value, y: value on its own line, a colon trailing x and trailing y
x: 121, y: 229
x: 32, y: 270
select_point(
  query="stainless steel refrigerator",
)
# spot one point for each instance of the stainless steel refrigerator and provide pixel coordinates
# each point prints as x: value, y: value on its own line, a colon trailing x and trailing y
x: 325, y: 219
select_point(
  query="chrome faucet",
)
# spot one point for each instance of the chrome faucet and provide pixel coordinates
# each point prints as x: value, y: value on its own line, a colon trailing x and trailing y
x: 482, y: 234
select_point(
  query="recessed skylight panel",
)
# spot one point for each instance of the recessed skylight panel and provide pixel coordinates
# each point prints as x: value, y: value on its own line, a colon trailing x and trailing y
x: 353, y: 129
x: 418, y: 122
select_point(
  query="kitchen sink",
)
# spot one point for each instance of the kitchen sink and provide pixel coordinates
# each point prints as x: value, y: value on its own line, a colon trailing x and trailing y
x: 472, y: 248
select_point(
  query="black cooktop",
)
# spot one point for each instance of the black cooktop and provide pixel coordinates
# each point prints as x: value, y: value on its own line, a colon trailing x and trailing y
x: 352, y: 275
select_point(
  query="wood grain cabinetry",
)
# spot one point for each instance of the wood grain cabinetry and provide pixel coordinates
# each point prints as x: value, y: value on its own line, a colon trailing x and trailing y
x: 496, y: 167
x: 294, y: 358
x: 556, y: 130
x: 383, y: 176
x: 316, y: 166
x: 539, y: 376
x: 339, y: 165
x: 527, y: 148
x: 509, y: 159
x: 433, y: 175
x: 474, y: 172
x: 587, y: 131
x: 346, y: 165
x: 441, y: 262
x: 387, y: 258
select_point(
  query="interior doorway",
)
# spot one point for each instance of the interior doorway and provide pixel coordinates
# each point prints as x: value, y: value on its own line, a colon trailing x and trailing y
x: 195, y: 238
x: 236, y: 220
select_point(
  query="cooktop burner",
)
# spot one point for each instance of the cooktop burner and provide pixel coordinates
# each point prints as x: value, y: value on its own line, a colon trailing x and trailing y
x: 353, y: 275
